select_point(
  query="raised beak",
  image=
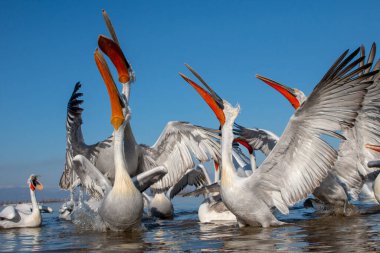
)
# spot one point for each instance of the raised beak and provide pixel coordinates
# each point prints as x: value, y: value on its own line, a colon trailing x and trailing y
x: 117, y: 116
x: 211, y: 98
x: 373, y: 147
x: 38, y: 185
x: 35, y: 184
x: 286, y: 91
x: 114, y: 52
x: 245, y: 144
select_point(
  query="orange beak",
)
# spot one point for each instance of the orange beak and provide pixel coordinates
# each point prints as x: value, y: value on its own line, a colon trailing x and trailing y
x: 245, y: 144
x: 35, y: 184
x: 287, y: 92
x: 212, y: 99
x: 373, y: 147
x: 114, y: 52
x: 117, y: 117
x: 39, y: 187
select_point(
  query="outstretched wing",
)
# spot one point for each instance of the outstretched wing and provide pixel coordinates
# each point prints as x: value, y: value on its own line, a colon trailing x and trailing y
x: 258, y: 139
x: 96, y: 184
x: 74, y: 139
x: 301, y: 159
x: 178, y: 148
x: 351, y: 166
x: 194, y: 177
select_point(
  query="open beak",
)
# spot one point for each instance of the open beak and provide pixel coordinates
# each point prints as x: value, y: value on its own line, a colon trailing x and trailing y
x: 112, y: 49
x: 117, y: 116
x: 211, y: 98
x: 244, y: 143
x: 35, y: 184
x: 373, y: 147
x: 287, y: 92
x: 114, y: 52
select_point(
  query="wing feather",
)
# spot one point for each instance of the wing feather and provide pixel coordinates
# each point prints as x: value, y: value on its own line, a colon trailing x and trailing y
x: 302, y: 159
x: 194, y: 177
x: 9, y: 213
x: 179, y: 147
x: 96, y: 184
x: 351, y: 167
x: 258, y: 139
x: 74, y: 139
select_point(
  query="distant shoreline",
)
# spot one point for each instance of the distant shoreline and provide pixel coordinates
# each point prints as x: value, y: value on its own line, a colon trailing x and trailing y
x: 2, y: 203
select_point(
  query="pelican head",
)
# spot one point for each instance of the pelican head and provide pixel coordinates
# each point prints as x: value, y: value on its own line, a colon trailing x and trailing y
x: 34, y: 183
x: 294, y: 96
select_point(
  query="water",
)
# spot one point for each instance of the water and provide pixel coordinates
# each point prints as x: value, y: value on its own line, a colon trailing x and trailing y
x: 307, y: 232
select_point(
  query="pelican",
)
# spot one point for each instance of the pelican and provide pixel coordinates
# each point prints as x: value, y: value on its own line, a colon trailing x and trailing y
x: 160, y: 205
x: 11, y: 217
x: 375, y: 164
x: 28, y: 208
x: 121, y: 204
x: 212, y: 208
x: 301, y: 159
x: 350, y: 167
x: 180, y: 146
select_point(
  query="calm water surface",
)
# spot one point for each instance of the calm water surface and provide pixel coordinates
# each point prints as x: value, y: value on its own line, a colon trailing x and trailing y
x: 307, y: 232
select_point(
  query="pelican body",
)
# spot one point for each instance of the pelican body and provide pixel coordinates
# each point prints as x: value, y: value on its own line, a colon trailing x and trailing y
x: 122, y: 207
x: 11, y: 217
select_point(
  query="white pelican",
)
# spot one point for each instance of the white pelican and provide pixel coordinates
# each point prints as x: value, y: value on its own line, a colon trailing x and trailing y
x: 376, y: 175
x: 331, y: 195
x: 121, y: 204
x: 28, y: 208
x: 212, y: 208
x: 179, y: 147
x: 160, y: 205
x: 301, y: 159
x: 351, y: 165
x: 11, y: 217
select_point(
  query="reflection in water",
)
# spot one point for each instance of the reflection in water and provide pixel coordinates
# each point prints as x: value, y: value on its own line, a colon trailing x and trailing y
x: 22, y: 239
x: 306, y: 232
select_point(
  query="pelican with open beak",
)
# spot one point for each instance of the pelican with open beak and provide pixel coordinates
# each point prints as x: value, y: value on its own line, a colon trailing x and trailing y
x: 121, y: 204
x: 179, y: 148
x: 346, y: 176
x: 375, y: 164
x: 12, y: 217
x: 301, y: 159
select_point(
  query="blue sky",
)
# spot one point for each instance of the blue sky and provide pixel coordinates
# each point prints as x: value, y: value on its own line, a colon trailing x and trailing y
x: 47, y: 46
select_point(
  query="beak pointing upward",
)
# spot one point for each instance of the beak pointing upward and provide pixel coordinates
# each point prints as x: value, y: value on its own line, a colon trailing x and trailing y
x: 212, y: 99
x: 117, y: 117
x: 114, y: 52
x: 287, y: 92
